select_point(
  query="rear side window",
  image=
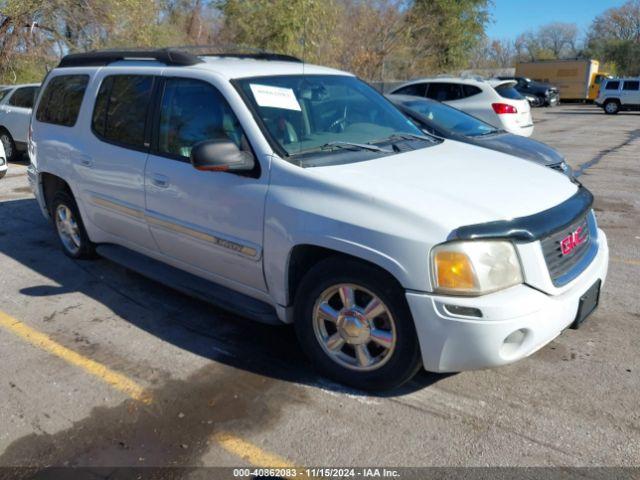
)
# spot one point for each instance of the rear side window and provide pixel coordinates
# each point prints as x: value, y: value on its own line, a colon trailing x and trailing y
x: 120, y: 112
x: 417, y: 89
x: 24, y: 97
x: 631, y: 85
x: 612, y: 85
x: 508, y: 91
x: 61, y: 100
x: 445, y: 91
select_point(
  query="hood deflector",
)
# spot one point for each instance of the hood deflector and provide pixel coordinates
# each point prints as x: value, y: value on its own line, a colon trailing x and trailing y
x: 532, y: 227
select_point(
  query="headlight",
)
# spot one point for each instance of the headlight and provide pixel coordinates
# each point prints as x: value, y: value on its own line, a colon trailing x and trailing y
x: 475, y: 267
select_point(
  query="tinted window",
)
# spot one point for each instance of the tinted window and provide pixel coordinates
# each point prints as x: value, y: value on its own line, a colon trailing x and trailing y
x: 193, y: 111
x: 61, y: 100
x: 612, y: 85
x: 120, y: 112
x: 445, y: 91
x: 470, y: 90
x: 24, y: 97
x: 508, y: 91
x: 631, y: 85
x: 417, y: 89
x: 445, y: 117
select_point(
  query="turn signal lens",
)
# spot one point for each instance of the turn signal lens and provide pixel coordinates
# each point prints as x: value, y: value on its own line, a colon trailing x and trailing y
x: 454, y: 270
x: 501, y: 108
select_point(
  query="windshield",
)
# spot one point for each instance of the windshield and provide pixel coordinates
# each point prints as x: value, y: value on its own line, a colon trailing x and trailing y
x: 449, y: 118
x: 303, y: 113
x: 4, y: 92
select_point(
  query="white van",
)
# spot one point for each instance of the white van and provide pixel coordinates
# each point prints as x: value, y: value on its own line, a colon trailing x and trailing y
x: 288, y: 192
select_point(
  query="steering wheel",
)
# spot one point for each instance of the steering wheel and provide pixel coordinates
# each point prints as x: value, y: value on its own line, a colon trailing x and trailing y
x: 340, y: 123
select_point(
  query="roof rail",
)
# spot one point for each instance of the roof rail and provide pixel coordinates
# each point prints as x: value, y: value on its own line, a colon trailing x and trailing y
x: 257, y: 56
x: 169, y: 56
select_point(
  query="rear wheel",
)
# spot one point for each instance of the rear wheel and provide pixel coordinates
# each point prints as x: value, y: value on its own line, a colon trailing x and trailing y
x: 69, y: 227
x: 611, y: 107
x: 9, y: 145
x: 354, y: 324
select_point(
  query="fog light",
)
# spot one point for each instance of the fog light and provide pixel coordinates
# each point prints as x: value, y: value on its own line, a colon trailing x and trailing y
x: 463, y: 311
x: 512, y: 343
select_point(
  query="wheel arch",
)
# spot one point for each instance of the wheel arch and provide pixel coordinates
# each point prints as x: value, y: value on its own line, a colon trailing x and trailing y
x: 303, y: 257
x: 50, y: 184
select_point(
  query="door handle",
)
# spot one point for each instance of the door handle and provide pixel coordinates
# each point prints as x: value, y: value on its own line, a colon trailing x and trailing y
x: 86, y: 161
x: 160, y: 180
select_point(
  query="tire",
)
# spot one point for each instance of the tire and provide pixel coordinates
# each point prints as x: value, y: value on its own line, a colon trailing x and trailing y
x: 2, y: 174
x: 611, y: 107
x: 9, y: 145
x: 69, y: 227
x: 335, y: 346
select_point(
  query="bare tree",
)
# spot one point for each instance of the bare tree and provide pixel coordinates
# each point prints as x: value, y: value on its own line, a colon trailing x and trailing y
x: 559, y: 38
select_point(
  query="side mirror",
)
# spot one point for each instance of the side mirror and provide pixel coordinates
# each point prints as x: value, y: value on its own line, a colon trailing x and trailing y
x: 220, y: 155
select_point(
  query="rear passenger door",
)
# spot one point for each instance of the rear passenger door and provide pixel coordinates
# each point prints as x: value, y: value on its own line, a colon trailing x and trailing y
x: 209, y: 223
x: 17, y: 114
x: 110, y: 164
x: 631, y: 92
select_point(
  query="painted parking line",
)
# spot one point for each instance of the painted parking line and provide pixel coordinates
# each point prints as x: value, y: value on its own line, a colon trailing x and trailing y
x: 625, y: 261
x: 42, y: 341
x: 254, y: 454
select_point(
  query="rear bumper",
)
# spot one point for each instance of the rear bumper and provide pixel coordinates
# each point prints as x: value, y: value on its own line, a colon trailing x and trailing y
x: 453, y: 343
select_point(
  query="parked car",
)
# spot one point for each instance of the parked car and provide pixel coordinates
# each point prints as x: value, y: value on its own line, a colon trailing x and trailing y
x: 297, y: 193
x: 618, y: 94
x: 3, y: 162
x: 447, y: 122
x: 533, y: 100
x: 494, y: 101
x: 547, y: 95
x: 16, y: 103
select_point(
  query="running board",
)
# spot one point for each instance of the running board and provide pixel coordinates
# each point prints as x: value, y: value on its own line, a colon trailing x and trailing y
x: 190, y: 284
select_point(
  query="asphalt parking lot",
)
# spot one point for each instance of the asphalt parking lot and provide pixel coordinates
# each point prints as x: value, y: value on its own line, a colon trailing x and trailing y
x: 101, y: 367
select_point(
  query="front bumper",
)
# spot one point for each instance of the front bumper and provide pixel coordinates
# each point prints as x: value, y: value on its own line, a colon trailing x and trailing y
x: 452, y: 343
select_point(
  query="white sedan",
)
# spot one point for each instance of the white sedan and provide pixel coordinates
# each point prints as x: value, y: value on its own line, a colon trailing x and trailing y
x: 496, y: 102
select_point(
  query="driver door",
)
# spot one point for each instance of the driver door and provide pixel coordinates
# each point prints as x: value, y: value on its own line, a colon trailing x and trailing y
x: 209, y: 223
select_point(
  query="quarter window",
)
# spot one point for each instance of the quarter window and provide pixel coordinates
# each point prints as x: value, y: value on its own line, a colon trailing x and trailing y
x: 120, y: 112
x: 193, y: 111
x: 24, y: 97
x: 61, y: 100
x: 612, y: 85
x: 631, y: 85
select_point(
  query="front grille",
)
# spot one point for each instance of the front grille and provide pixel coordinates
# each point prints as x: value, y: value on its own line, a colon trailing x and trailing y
x: 565, y: 267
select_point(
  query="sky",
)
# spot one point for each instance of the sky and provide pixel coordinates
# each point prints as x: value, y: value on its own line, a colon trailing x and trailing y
x: 512, y: 17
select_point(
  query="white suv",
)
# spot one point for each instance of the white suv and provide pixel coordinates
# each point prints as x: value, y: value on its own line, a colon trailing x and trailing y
x: 496, y: 102
x: 618, y: 94
x: 289, y: 192
x: 16, y: 103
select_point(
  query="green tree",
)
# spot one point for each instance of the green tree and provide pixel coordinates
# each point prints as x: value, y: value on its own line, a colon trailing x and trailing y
x: 296, y: 27
x: 445, y: 32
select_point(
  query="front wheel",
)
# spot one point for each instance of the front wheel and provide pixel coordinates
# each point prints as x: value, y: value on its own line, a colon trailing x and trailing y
x: 354, y: 324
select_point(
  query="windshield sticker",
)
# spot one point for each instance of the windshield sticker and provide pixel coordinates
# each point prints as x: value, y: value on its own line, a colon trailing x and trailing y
x: 276, y: 97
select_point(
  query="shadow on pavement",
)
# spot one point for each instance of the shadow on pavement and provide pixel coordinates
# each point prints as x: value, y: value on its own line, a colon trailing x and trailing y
x: 26, y: 237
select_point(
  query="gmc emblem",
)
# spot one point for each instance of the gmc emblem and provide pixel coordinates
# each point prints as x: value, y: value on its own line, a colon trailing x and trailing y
x: 571, y: 241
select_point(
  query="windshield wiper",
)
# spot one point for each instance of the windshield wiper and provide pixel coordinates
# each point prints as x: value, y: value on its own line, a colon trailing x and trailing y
x: 354, y: 146
x: 407, y: 136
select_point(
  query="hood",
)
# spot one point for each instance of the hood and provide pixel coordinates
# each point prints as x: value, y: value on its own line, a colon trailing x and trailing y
x: 541, y: 87
x: 452, y: 184
x: 521, y: 147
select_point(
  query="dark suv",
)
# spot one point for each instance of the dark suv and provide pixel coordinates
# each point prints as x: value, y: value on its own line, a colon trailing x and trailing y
x: 547, y: 95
